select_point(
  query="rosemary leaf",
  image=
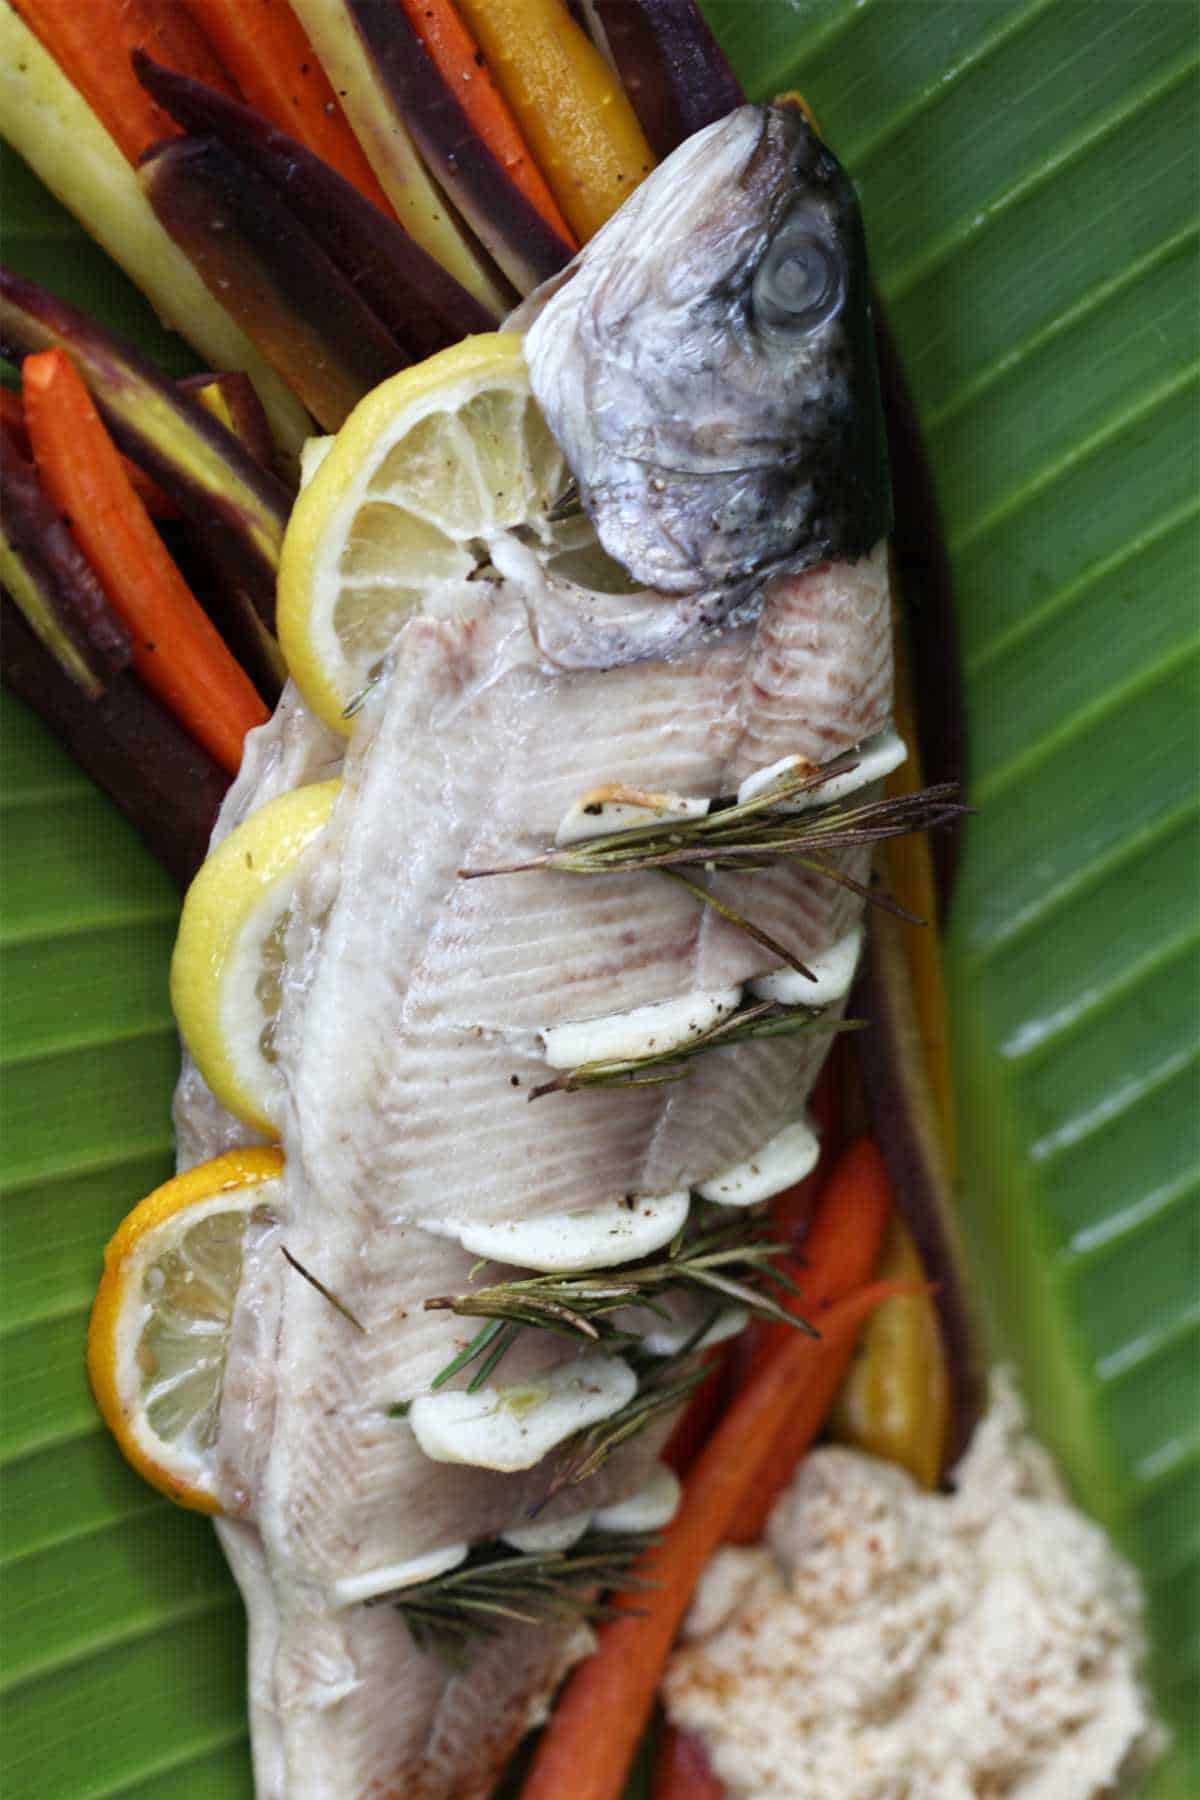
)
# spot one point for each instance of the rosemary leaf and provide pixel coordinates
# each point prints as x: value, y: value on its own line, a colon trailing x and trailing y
x: 568, y: 505
x: 475, y: 1348
x: 497, y: 1586
x: 660, y: 1391
x: 759, y: 1019
x: 732, y: 1258
x: 706, y: 897
x: 744, y: 836
x: 357, y: 701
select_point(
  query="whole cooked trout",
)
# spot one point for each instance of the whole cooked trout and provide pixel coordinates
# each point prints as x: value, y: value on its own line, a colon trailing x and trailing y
x: 707, y: 369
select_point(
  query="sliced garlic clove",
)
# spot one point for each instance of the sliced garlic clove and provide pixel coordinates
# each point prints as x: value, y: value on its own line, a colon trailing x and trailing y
x: 650, y: 1509
x: 555, y: 1534
x: 639, y: 1032
x: 512, y: 1427
x: 620, y: 1231
x: 390, y: 1576
x: 785, y: 1159
x: 834, y: 971
x: 874, y: 758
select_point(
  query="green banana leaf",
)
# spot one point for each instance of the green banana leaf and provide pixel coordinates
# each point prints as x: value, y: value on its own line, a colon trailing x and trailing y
x: 1029, y: 175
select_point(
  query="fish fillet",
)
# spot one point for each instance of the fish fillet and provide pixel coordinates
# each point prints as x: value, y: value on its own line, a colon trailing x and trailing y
x: 413, y: 995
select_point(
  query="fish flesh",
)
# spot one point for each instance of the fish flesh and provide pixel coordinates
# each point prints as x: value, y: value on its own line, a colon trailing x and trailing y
x: 706, y: 366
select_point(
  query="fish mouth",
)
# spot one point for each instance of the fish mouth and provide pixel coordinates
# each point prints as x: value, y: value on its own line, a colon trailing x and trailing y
x: 770, y: 458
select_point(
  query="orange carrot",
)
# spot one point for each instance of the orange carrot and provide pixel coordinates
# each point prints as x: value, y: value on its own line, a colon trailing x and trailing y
x: 774, y: 1471
x: 681, y: 1768
x: 462, y: 66
x: 157, y: 504
x: 593, y: 1734
x: 92, y: 44
x: 843, y: 1245
x: 266, y: 49
x: 177, y: 651
x: 837, y: 1255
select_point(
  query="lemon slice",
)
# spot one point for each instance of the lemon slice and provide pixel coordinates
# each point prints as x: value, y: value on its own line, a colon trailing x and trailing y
x: 225, y: 972
x: 159, y: 1330
x: 427, y: 470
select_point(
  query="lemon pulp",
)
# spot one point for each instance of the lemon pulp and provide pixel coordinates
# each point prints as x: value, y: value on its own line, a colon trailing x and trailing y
x: 427, y: 470
x: 159, y: 1330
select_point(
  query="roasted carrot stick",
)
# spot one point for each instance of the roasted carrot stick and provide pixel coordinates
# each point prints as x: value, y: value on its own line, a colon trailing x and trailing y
x: 589, y: 1744
x: 774, y: 1471
x: 895, y: 1400
x: 838, y: 1254
x: 156, y: 503
x: 572, y: 110
x: 842, y: 1247
x: 834, y: 1260
x: 92, y: 45
x: 462, y: 65
x: 681, y: 1768
x: 177, y: 650
x: 265, y: 47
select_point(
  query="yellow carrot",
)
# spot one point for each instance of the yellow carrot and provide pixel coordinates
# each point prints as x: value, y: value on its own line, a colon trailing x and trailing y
x: 418, y: 202
x: 461, y: 65
x: 569, y: 105
x: 895, y: 1400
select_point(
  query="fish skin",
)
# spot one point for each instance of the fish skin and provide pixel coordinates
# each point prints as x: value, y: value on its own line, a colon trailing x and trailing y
x: 778, y: 643
x: 715, y: 434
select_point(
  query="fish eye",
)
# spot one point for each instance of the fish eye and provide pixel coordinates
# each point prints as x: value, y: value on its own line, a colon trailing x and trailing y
x: 798, y: 286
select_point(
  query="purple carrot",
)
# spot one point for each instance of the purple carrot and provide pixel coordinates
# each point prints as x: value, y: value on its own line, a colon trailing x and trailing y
x: 239, y: 507
x: 513, y: 231
x: 270, y: 274
x: 671, y: 65
x: 127, y: 743
x: 52, y: 582
x: 232, y: 398
x: 420, y: 303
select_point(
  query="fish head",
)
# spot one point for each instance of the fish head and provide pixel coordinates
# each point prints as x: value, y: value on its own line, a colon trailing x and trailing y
x: 707, y: 365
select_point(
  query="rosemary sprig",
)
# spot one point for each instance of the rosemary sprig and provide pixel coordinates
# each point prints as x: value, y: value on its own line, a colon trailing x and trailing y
x: 751, y: 833
x: 756, y: 834
x: 731, y: 1259
x: 760, y: 1019
x: 663, y: 1387
x: 498, y: 1586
